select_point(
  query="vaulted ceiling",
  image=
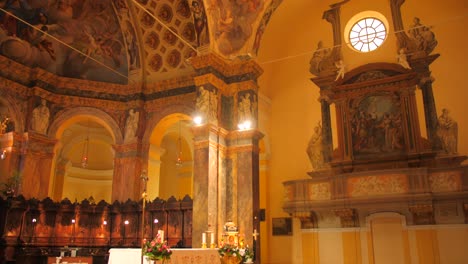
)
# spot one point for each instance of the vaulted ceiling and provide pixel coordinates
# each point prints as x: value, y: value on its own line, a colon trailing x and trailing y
x: 128, y: 41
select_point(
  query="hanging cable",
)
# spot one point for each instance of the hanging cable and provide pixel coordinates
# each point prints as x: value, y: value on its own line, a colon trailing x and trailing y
x: 85, y: 157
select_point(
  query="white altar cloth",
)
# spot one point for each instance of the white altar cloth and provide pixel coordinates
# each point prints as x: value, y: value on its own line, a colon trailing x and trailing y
x: 179, y: 256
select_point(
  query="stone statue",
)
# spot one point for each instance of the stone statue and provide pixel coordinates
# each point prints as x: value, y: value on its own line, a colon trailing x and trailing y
x: 315, y: 148
x: 131, y: 125
x: 341, y: 69
x: 316, y: 63
x: 402, y: 59
x: 207, y: 104
x: 40, y: 118
x: 422, y: 36
x: 245, y: 110
x: 447, y: 131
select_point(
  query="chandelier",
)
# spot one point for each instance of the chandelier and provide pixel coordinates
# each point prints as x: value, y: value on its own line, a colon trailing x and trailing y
x: 179, y: 150
x: 84, y: 155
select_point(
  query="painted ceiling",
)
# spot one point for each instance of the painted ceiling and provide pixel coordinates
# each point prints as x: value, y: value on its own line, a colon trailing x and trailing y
x: 128, y: 41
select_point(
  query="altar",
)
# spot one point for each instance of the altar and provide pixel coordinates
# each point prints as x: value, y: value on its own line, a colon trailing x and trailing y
x: 179, y: 256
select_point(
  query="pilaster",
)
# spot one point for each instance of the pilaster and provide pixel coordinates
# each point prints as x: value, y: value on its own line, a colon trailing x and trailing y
x: 36, y: 165
x: 126, y: 182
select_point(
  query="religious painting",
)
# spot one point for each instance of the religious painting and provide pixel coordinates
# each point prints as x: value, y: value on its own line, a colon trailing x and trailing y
x: 232, y: 23
x: 282, y: 226
x: 376, y: 126
x: 77, y: 39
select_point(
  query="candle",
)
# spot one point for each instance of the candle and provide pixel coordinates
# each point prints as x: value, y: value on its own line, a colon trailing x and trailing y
x: 204, y: 238
x: 212, y: 238
x: 161, y: 235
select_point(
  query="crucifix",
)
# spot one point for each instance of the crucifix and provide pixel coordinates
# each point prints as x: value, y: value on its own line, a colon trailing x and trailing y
x: 145, y: 180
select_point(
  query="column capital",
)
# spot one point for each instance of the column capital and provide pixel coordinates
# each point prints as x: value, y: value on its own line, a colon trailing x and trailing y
x: 127, y: 150
x: 213, y: 63
x: 39, y: 143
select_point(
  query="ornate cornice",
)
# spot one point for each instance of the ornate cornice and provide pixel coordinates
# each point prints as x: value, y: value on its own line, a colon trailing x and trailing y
x: 229, y: 71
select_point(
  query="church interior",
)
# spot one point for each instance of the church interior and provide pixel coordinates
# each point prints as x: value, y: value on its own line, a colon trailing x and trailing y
x: 324, y: 131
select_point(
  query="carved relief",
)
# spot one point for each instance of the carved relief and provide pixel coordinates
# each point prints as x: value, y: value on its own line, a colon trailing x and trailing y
x: 319, y: 191
x: 445, y: 181
x: 377, y: 185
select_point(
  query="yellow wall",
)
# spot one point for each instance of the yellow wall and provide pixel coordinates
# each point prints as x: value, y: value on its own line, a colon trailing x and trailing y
x: 384, y: 240
x: 287, y: 46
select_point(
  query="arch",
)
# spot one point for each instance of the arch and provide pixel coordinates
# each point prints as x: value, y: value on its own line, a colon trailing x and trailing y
x: 69, y: 116
x: 163, y: 126
x: 390, y: 69
x: 185, y: 111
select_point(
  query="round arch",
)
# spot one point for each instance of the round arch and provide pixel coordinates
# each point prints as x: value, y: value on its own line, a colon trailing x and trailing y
x: 63, y: 172
x: 161, y: 138
x: 69, y: 116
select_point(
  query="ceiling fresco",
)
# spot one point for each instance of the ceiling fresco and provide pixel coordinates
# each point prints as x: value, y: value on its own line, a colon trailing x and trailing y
x: 128, y: 41
x: 86, y: 40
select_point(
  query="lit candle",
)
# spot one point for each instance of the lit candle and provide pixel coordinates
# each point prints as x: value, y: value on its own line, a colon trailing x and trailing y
x: 204, y: 238
x: 212, y: 237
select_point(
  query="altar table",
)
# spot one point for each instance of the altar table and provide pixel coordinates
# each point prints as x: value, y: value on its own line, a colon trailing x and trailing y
x: 179, y: 256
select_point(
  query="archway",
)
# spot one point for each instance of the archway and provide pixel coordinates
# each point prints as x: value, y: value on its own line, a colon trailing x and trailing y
x: 170, y: 158
x: 83, y: 163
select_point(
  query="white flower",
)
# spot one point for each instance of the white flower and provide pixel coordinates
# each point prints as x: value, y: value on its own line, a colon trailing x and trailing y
x: 242, y: 252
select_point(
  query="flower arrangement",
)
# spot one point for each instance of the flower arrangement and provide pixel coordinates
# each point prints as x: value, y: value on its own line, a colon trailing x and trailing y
x: 157, y: 249
x: 235, y: 253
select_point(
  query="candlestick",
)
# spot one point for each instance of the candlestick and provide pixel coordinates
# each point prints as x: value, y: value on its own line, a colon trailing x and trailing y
x: 161, y: 235
x: 212, y: 240
x: 203, y: 240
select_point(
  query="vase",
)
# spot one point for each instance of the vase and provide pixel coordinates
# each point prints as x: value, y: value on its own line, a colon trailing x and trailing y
x: 230, y: 260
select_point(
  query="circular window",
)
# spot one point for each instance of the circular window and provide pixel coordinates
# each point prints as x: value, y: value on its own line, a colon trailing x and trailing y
x: 367, y: 34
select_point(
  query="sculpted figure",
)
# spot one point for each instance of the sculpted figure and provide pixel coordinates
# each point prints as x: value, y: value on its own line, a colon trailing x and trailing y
x: 423, y: 36
x: 316, y: 63
x: 341, y: 69
x: 245, y: 111
x: 131, y: 125
x: 402, y: 59
x: 315, y: 148
x: 447, y: 131
x: 203, y: 100
x: 40, y: 118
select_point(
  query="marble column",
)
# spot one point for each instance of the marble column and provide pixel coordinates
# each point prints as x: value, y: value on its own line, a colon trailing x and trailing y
x: 245, y: 187
x: 421, y: 66
x: 205, y: 181
x: 226, y: 161
x: 126, y: 182
x: 327, y: 141
x: 37, y: 165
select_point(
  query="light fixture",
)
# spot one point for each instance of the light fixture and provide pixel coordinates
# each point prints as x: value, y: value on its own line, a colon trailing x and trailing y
x: 179, y: 149
x: 3, y: 155
x: 84, y: 156
x: 245, y: 125
x: 198, y: 120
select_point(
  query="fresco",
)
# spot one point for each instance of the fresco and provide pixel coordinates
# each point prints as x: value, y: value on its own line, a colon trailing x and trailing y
x: 233, y: 22
x: 86, y: 42
x: 377, y: 126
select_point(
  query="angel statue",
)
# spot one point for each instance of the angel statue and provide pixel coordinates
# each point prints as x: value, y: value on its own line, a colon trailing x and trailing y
x: 447, y: 131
